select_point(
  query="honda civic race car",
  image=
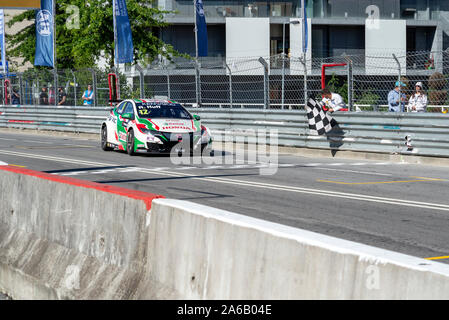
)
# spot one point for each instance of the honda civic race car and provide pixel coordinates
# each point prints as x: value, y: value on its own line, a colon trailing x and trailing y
x: 154, y: 126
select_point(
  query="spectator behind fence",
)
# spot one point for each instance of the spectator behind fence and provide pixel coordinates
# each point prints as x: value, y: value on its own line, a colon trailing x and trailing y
x: 43, y: 97
x: 62, y: 96
x: 88, y: 96
x: 393, y: 98
x: 333, y: 101
x: 15, y: 97
x: 418, y: 101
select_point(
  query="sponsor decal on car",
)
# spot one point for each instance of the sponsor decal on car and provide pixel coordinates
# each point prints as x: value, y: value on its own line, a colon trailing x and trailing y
x: 122, y: 136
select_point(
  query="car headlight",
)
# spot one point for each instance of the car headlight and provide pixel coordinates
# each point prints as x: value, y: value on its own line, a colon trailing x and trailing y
x: 148, y: 131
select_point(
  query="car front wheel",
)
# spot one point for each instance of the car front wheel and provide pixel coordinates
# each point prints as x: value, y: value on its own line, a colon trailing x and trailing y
x: 130, y: 143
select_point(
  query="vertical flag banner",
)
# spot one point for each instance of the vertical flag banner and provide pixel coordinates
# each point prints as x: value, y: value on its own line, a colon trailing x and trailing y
x: 123, y: 37
x: 201, y: 29
x: 2, y: 39
x: 305, y: 38
x: 44, y: 35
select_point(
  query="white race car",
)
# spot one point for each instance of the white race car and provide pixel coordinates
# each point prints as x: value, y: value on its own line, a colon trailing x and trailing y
x: 155, y: 126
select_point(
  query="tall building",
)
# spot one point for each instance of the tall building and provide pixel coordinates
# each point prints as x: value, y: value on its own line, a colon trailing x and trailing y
x: 337, y: 26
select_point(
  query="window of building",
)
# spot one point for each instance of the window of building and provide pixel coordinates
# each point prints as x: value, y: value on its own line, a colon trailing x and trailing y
x: 333, y: 41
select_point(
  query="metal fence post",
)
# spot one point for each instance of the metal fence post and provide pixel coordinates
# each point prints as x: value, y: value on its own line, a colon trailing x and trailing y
x: 198, y: 83
x: 21, y: 89
x: 36, y: 100
x: 74, y: 87
x: 168, y: 83
x: 266, y: 84
x: 350, y: 84
x: 304, y: 65
x: 230, y: 85
x: 283, y: 74
x: 141, y: 81
x: 55, y: 83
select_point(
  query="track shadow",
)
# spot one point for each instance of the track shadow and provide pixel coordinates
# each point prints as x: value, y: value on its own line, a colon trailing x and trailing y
x: 335, y: 138
x: 177, y: 178
x: 87, y: 169
x: 216, y: 153
x: 208, y: 195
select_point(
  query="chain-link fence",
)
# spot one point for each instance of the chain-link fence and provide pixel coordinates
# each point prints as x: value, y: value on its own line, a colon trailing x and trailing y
x: 61, y: 87
x: 277, y: 82
x: 364, y: 81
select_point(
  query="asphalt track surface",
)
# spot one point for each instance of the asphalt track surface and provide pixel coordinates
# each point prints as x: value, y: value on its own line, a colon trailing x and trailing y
x: 395, y: 206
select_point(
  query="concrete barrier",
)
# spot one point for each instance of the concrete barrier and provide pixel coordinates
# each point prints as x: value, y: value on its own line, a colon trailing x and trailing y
x: 68, y: 238
x: 214, y: 254
x: 63, y: 238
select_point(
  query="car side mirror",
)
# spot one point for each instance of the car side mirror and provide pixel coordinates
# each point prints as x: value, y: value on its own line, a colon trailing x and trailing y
x: 196, y: 117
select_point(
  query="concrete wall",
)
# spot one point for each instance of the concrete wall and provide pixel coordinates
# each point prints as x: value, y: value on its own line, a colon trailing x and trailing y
x: 65, y: 238
x: 248, y: 38
x: 384, y: 38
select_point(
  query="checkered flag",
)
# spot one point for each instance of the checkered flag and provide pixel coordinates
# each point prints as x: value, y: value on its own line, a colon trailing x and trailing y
x: 320, y: 122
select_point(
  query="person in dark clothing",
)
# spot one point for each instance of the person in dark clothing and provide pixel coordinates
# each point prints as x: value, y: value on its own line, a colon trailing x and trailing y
x: 43, y: 97
x: 62, y: 96
x: 15, y: 97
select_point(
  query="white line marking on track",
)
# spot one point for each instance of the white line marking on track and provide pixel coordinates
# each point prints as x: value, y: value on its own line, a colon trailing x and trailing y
x: 239, y: 166
x: 211, y: 167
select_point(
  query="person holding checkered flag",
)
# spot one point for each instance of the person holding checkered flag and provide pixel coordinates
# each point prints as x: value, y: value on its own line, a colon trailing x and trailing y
x: 320, y: 121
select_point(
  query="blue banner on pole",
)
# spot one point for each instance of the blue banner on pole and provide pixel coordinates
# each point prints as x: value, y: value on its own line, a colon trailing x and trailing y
x: 201, y: 29
x: 2, y: 39
x: 44, y: 35
x: 124, y: 39
x: 306, y: 31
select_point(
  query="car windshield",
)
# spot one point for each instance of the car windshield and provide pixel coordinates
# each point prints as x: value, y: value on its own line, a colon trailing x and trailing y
x: 158, y: 110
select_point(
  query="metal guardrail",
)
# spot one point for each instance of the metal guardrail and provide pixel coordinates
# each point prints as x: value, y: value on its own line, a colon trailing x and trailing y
x: 383, y: 132
x: 357, y: 131
x: 73, y: 119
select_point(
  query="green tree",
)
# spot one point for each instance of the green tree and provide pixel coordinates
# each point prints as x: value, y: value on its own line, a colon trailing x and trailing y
x: 82, y: 47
